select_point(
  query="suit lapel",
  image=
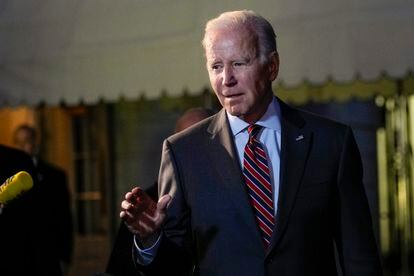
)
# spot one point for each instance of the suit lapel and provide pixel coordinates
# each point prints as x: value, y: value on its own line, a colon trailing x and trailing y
x: 296, y: 142
x: 223, y: 155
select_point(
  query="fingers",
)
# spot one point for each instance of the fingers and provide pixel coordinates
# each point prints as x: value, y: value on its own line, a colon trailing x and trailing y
x: 133, y: 194
x: 163, y: 203
x: 125, y: 205
x: 128, y: 205
x: 146, y: 200
x: 138, y: 211
x: 142, y: 219
x: 141, y: 214
x: 137, y: 201
x: 141, y: 224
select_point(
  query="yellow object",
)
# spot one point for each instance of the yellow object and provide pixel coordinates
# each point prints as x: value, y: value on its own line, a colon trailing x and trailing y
x: 14, y: 186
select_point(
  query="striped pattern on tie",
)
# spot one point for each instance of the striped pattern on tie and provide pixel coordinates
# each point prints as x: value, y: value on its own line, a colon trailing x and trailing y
x: 257, y: 177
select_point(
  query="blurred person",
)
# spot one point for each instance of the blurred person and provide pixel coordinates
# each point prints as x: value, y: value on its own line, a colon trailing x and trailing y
x: 191, y: 117
x: 25, y: 247
x: 53, y: 191
x: 260, y: 188
x: 120, y: 261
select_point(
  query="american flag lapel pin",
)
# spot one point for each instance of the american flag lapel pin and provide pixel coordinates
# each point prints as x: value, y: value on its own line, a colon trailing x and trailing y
x: 300, y: 137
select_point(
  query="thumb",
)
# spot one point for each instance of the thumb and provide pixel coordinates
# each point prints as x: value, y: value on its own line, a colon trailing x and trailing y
x: 163, y: 203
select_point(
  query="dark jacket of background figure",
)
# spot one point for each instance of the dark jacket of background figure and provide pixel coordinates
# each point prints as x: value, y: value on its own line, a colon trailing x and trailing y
x: 25, y: 239
x: 211, y: 229
x: 54, y: 192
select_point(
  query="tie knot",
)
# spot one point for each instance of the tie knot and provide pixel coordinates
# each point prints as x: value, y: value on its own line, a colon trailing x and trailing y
x: 253, y: 131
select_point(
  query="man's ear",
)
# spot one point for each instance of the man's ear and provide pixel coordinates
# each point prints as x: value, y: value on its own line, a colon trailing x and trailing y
x: 273, y: 65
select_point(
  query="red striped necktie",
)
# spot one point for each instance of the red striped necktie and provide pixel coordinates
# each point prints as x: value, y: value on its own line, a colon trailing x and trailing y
x: 257, y: 177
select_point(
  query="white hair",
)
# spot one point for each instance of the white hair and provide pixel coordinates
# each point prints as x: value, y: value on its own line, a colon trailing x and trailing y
x: 251, y: 21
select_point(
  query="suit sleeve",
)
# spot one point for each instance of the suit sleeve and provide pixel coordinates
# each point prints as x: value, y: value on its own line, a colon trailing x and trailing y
x: 354, y: 235
x: 173, y: 256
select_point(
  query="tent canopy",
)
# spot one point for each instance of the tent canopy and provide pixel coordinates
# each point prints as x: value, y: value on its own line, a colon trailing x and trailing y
x: 72, y: 51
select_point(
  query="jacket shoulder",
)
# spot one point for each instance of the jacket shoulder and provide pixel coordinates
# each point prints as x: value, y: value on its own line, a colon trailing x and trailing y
x: 12, y: 161
x: 302, y: 118
x: 193, y: 132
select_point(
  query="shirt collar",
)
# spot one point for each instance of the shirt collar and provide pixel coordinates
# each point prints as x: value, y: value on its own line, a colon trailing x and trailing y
x: 271, y: 119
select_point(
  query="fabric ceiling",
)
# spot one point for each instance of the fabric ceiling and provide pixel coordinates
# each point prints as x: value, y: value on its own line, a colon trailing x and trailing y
x: 84, y: 51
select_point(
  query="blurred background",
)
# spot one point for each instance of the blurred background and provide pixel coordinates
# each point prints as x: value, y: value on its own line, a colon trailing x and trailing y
x: 103, y: 82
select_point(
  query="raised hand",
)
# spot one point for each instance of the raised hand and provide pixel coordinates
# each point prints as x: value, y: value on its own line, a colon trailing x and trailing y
x: 143, y: 217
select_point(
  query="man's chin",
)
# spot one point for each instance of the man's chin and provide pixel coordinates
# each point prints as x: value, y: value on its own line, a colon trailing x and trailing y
x: 234, y: 112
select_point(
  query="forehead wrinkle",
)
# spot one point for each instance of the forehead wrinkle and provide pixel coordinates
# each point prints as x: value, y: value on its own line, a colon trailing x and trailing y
x: 218, y: 44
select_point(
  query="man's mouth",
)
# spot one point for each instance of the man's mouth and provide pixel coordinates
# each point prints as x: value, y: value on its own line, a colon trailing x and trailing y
x: 230, y: 96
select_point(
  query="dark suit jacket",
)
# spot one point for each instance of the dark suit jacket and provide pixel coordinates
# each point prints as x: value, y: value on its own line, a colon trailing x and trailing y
x: 211, y: 229
x: 25, y: 247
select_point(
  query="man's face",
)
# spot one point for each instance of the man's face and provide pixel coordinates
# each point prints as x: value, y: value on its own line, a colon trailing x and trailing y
x: 241, y: 82
x: 24, y: 141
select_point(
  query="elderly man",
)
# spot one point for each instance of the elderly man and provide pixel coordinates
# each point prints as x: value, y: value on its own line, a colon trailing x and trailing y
x: 260, y: 188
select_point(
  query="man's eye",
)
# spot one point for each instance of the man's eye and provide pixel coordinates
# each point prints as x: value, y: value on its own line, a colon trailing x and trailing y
x: 216, y: 67
x: 236, y: 64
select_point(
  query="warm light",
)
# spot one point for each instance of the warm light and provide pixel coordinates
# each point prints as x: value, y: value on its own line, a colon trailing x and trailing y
x: 11, y: 118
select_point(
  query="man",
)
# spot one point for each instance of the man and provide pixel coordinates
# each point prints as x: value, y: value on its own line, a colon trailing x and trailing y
x: 24, y: 238
x: 260, y: 188
x: 120, y: 261
x: 53, y: 191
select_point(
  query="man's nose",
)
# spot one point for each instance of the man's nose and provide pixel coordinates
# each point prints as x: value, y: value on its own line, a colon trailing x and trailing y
x: 228, y: 76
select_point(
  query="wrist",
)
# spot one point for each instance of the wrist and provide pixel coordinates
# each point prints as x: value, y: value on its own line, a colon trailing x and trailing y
x: 148, y: 241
